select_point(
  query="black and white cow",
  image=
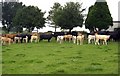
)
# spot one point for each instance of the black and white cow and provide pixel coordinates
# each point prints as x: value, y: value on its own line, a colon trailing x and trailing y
x: 23, y: 37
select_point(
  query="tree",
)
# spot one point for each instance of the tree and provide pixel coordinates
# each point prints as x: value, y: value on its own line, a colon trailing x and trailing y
x: 53, y: 14
x: 9, y: 10
x: 99, y: 16
x: 29, y: 17
x: 68, y: 16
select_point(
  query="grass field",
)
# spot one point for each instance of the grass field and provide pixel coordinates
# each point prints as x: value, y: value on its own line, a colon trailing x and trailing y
x: 55, y: 58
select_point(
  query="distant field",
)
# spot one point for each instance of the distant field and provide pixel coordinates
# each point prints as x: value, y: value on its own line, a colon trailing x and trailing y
x: 55, y: 58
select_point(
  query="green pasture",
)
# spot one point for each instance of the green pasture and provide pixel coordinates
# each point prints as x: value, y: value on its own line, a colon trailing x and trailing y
x: 55, y: 58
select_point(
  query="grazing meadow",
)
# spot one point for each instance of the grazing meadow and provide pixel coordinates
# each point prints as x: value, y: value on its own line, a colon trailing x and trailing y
x: 54, y: 58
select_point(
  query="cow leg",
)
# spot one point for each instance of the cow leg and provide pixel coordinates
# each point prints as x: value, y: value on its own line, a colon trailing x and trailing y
x: 31, y: 40
x: 81, y: 42
x: 60, y: 41
x: 9, y: 42
x: 77, y: 42
x: 93, y: 40
x: 89, y: 41
x: 48, y: 40
x: 36, y: 40
x: 97, y: 42
x: 69, y: 39
x: 106, y: 42
x: 74, y: 41
x: 14, y: 40
x: 103, y: 42
x: 26, y: 39
x: 65, y: 39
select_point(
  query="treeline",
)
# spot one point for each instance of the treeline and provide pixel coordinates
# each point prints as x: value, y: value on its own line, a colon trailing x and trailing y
x: 17, y: 16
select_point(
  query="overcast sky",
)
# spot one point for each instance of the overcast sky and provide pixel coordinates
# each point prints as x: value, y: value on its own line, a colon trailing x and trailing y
x: 46, y: 4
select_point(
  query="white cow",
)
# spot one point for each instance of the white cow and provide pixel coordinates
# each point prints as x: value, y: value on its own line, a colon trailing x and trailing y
x: 91, y: 38
x: 17, y: 39
x: 101, y: 37
x: 34, y: 38
x: 74, y: 39
x: 60, y: 39
x: 25, y: 39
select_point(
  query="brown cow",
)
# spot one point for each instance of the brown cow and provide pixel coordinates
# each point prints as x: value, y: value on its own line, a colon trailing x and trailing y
x: 10, y: 36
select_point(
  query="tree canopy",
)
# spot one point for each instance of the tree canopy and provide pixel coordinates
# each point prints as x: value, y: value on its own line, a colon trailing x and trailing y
x: 9, y: 10
x: 67, y: 16
x: 53, y: 14
x: 29, y: 17
x: 99, y: 16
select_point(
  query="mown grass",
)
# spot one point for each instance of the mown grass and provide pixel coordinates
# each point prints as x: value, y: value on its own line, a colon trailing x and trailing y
x: 55, y: 58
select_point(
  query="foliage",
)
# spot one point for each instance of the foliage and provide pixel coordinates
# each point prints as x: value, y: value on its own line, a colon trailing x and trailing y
x: 53, y: 14
x: 67, y: 16
x: 99, y: 16
x: 9, y: 10
x: 29, y: 17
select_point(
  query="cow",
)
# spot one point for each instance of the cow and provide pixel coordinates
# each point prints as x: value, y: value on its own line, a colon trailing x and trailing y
x: 80, y: 39
x: 5, y: 40
x: 36, y: 38
x: 22, y: 37
x: 74, y: 39
x: 115, y: 35
x: 45, y: 37
x: 91, y: 38
x: 101, y: 37
x: 29, y: 37
x: 68, y: 37
x: 60, y: 39
x: 17, y: 39
x: 56, y: 34
x: 10, y: 36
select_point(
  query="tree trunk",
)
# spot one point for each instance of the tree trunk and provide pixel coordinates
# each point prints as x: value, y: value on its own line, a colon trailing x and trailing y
x: 70, y: 30
x: 55, y: 28
x: 29, y: 30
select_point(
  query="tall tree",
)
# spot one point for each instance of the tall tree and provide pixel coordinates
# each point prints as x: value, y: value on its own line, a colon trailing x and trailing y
x: 99, y: 16
x: 9, y: 10
x: 29, y: 17
x: 53, y: 14
x: 68, y: 16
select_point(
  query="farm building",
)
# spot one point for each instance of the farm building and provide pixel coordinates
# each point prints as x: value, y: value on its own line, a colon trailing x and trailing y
x: 116, y: 24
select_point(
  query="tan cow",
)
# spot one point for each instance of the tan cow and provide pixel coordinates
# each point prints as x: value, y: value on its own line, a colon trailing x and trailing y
x: 68, y: 37
x: 5, y: 40
x: 80, y: 39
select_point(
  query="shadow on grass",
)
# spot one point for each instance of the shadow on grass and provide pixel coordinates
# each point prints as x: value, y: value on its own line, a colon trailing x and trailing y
x: 59, y: 71
x: 5, y: 62
x: 93, y: 68
x: 20, y: 55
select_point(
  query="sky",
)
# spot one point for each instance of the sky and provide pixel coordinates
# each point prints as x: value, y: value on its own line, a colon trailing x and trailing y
x: 45, y: 5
